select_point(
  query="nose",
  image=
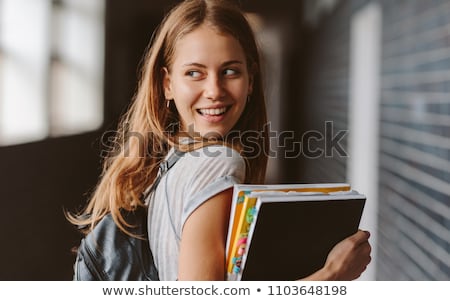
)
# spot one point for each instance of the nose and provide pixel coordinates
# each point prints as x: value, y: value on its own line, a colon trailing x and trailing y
x: 214, y: 89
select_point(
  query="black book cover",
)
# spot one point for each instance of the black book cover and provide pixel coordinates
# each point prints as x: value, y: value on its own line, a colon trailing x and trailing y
x: 291, y: 240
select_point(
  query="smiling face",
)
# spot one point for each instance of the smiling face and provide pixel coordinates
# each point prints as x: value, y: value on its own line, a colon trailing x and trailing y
x: 208, y: 81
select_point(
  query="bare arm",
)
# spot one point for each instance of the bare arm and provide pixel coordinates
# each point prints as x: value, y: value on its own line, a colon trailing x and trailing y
x: 202, y: 247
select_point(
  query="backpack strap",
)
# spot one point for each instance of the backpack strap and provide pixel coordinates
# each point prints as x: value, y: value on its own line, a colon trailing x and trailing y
x: 164, y: 167
x: 169, y: 162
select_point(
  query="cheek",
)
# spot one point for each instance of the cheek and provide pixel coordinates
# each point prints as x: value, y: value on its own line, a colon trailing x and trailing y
x: 185, y: 97
x: 186, y: 92
x: 240, y: 92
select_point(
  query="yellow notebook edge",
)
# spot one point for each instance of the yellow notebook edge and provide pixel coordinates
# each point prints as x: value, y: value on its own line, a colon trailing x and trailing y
x: 241, y: 232
x: 234, y: 217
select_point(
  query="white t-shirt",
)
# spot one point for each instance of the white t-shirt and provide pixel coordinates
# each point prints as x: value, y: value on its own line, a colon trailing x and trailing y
x: 194, y: 179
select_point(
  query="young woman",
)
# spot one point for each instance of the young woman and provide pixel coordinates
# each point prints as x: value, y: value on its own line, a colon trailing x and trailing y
x: 200, y: 91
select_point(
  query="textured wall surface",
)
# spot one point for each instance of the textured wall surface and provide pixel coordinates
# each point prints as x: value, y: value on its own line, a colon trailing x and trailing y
x: 414, y: 154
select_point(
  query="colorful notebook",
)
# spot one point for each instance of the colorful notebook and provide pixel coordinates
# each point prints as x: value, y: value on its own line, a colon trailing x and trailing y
x: 249, y: 213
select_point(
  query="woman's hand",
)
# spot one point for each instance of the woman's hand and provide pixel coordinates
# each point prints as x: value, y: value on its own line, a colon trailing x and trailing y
x: 347, y: 260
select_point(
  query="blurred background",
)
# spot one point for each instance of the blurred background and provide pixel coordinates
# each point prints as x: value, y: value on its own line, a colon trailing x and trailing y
x: 358, y: 91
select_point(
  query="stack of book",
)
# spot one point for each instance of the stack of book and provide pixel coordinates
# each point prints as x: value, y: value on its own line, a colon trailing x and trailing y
x: 285, y: 232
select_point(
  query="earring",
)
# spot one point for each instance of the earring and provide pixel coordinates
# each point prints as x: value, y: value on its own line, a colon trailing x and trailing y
x: 168, y: 103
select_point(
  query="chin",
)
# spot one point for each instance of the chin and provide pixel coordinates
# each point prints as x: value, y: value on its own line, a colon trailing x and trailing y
x: 213, y: 133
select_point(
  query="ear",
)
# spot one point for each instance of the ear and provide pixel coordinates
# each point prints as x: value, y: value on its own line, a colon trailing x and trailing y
x: 167, y: 84
x: 250, y: 79
x: 250, y: 84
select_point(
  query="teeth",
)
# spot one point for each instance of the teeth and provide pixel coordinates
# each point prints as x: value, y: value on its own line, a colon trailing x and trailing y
x: 213, y: 112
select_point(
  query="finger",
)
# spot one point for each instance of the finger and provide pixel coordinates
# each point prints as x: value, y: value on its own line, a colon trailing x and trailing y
x: 360, y: 237
x: 364, y: 231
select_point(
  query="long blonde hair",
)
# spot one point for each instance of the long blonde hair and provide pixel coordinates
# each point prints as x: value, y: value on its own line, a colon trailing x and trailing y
x: 146, y: 131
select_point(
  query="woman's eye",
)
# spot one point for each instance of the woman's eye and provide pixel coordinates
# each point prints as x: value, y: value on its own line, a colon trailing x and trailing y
x: 228, y: 72
x: 194, y: 74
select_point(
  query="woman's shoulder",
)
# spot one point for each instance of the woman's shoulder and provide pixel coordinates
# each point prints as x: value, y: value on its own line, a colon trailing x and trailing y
x: 214, y: 159
x: 216, y: 152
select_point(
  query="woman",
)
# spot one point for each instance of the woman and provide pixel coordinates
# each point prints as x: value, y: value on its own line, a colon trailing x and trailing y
x: 200, y: 91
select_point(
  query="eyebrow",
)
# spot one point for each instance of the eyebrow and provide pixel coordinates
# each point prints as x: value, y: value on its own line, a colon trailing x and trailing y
x: 203, y: 66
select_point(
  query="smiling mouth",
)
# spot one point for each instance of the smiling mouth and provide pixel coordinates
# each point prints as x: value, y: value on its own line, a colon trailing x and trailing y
x: 213, y: 112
